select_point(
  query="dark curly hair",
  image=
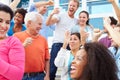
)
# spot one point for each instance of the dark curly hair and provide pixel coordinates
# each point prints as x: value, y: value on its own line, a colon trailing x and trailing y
x: 22, y: 12
x: 100, y: 65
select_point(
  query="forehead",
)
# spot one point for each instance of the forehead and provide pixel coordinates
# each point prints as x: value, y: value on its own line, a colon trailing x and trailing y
x: 74, y: 36
x: 73, y: 3
x: 81, y: 53
x: 44, y: 6
x: 4, y: 15
x: 83, y: 14
x: 18, y: 14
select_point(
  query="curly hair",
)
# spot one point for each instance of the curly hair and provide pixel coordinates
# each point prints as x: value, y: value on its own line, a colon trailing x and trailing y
x: 100, y: 65
x: 21, y: 11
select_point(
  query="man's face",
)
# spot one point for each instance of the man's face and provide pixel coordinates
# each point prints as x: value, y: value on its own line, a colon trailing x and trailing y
x: 35, y: 26
x: 72, y: 7
x: 42, y: 10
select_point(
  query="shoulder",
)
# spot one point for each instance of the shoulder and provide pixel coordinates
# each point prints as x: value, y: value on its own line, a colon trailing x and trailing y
x: 12, y: 40
x: 19, y: 33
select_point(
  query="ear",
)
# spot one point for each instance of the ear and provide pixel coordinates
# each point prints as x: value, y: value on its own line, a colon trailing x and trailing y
x: 29, y: 23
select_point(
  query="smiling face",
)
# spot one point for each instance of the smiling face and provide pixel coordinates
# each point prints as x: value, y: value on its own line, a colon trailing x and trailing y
x: 72, y: 7
x: 74, y: 42
x: 18, y: 18
x: 35, y: 26
x: 78, y: 64
x: 4, y: 23
x: 83, y: 18
x: 42, y: 9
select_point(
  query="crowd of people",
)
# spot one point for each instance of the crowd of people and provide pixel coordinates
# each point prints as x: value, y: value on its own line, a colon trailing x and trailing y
x: 79, y: 50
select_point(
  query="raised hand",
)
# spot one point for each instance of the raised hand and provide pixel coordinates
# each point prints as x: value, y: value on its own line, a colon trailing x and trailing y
x: 27, y: 41
x: 67, y: 36
x: 96, y: 34
x: 55, y: 11
x: 50, y: 2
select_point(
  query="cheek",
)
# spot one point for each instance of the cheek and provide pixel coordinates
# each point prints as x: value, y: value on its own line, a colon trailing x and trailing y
x: 6, y: 27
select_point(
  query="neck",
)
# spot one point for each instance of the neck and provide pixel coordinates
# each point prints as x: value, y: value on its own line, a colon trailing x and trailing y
x: 18, y: 25
x: 74, y: 51
x: 71, y: 16
x: 32, y: 35
x: 83, y: 25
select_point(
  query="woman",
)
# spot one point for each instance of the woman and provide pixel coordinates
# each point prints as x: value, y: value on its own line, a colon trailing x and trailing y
x: 12, y: 55
x: 65, y: 57
x: 17, y: 24
x: 84, y: 27
x: 93, y: 62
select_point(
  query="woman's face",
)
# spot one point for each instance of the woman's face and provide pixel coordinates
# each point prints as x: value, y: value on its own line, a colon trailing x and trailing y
x: 4, y: 23
x: 83, y: 18
x: 18, y: 18
x: 78, y: 64
x: 74, y: 42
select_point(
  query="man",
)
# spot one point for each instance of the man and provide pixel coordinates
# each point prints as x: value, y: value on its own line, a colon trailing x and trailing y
x: 64, y: 21
x: 36, y: 49
x: 41, y: 7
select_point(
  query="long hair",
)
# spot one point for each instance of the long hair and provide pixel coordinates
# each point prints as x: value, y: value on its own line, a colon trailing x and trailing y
x: 87, y: 23
x: 100, y: 65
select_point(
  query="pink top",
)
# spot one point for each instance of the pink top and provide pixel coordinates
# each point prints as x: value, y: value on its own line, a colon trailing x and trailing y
x: 12, y: 59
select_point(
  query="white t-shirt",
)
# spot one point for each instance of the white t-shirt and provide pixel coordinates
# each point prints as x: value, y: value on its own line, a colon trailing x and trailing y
x: 65, y: 23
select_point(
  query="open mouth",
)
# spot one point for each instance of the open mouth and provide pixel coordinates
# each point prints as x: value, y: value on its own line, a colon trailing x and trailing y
x: 73, y: 69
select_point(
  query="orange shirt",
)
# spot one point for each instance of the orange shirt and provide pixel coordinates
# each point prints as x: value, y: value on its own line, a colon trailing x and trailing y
x: 35, y: 53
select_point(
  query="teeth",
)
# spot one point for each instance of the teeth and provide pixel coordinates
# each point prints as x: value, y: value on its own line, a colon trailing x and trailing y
x: 72, y: 67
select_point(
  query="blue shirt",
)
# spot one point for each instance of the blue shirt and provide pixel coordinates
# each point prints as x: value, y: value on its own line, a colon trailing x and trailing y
x: 10, y: 31
x: 116, y: 57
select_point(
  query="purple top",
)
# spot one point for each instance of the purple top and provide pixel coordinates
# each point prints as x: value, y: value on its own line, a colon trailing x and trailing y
x: 12, y: 59
x: 106, y: 41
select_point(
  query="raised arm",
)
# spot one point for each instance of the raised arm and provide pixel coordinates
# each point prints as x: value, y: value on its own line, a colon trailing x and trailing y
x: 41, y: 3
x: 114, y: 34
x: 116, y: 8
x: 14, y: 4
x: 52, y: 20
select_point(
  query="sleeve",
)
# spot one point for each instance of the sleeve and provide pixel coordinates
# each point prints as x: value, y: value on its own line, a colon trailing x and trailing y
x: 47, y: 54
x: 14, y: 68
x: 60, y: 58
